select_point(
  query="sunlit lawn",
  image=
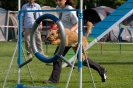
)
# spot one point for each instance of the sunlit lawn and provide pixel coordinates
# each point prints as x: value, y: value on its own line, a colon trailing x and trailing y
x: 119, y: 68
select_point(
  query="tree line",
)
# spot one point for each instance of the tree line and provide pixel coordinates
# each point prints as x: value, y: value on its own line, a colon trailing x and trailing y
x: 13, y: 4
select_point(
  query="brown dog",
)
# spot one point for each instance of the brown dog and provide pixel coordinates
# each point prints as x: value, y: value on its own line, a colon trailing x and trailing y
x: 71, y: 38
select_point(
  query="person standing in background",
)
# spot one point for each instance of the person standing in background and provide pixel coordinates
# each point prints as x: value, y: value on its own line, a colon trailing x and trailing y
x: 70, y: 21
x: 28, y: 21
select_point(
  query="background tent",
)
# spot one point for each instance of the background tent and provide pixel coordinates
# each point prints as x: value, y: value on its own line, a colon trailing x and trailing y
x: 8, y: 18
x: 97, y: 14
x: 53, y: 13
x: 49, y: 8
x: 118, y: 34
x: 3, y: 21
x: 47, y: 22
x: 13, y: 21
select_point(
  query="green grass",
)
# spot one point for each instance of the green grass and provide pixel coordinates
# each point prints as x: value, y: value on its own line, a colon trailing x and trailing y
x: 119, y: 68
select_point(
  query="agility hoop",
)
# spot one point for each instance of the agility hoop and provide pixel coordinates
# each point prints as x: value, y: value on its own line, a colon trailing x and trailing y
x: 62, y: 38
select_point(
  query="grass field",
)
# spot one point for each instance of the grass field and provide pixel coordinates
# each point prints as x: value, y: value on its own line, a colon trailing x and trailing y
x: 119, y: 68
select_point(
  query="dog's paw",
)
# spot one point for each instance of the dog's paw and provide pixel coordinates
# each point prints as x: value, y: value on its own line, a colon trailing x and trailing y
x: 74, y: 44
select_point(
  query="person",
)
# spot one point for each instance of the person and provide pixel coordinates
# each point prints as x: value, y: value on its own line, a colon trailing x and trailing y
x: 28, y: 21
x: 70, y: 20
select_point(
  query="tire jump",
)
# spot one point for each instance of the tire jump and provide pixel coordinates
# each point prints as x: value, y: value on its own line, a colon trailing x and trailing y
x: 62, y: 38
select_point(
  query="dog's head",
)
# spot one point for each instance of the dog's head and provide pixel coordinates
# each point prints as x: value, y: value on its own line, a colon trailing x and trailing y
x: 53, y: 35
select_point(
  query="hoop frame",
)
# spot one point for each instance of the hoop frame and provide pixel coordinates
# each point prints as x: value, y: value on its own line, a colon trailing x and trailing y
x: 62, y: 37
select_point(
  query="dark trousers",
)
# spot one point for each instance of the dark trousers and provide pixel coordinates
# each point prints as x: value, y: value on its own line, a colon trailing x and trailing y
x: 57, y: 66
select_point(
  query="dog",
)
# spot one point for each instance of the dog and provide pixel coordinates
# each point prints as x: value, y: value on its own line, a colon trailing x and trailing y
x: 71, y: 38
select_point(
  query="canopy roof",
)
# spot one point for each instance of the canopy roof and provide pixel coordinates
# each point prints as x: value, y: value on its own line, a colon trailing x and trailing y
x: 49, y: 8
x: 97, y: 14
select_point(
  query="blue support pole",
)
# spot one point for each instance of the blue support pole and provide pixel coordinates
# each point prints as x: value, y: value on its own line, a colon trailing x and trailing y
x: 19, y: 61
x: 20, y: 40
x: 80, y: 33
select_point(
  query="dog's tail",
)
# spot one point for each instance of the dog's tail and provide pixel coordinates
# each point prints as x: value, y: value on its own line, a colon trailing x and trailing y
x: 88, y: 29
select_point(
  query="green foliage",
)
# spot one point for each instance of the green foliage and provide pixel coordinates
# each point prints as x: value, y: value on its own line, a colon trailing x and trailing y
x: 118, y: 3
x: 96, y: 3
x: 41, y: 2
x: 13, y: 5
x: 50, y: 3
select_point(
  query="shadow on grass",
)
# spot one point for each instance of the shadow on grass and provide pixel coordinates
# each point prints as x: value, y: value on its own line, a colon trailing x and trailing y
x: 117, y: 63
x: 114, y: 63
x: 82, y: 82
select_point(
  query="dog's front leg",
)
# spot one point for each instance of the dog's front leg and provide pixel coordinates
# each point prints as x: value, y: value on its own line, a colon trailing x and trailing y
x: 56, y: 42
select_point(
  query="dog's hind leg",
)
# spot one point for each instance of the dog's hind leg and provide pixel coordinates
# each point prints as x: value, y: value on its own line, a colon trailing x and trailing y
x: 75, y: 50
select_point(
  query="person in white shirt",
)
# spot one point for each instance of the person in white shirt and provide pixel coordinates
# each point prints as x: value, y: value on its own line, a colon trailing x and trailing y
x: 69, y: 20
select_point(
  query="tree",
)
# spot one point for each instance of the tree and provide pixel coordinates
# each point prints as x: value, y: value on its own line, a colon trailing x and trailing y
x: 117, y: 3
x: 9, y: 5
x: 111, y: 3
x: 13, y: 5
x: 49, y: 3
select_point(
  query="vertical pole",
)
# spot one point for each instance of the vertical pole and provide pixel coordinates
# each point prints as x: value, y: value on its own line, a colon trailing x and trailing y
x: 46, y: 36
x: 101, y: 43
x: 19, y: 5
x: 7, y: 23
x: 80, y: 42
x: 120, y: 37
x: 101, y: 48
x: 19, y: 46
x: 120, y: 44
